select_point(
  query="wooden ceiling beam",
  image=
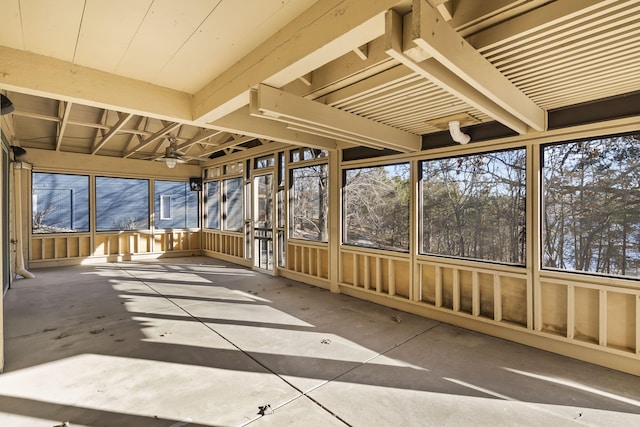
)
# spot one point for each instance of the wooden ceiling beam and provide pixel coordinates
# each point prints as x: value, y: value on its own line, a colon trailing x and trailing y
x: 434, y: 71
x: 436, y: 37
x: 323, y: 32
x: 338, y: 78
x: 319, y: 119
x: 242, y: 121
x: 22, y: 71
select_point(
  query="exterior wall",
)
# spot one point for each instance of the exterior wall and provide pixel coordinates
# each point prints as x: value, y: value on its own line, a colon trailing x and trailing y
x: 92, y: 246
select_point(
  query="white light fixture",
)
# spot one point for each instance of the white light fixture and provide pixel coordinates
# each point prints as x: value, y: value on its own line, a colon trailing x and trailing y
x: 456, y: 134
x: 170, y: 162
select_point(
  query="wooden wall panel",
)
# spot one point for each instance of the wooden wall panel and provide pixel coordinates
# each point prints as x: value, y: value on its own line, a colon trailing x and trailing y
x: 586, y: 315
x: 486, y: 284
x: 514, y: 300
x: 554, y: 308
x: 621, y: 327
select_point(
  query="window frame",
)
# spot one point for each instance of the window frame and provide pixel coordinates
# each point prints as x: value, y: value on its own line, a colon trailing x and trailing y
x: 73, y: 214
x: 149, y: 208
x: 291, y: 195
x: 218, y: 199
x: 225, y: 205
x: 543, y: 205
x: 524, y: 215
x: 344, y: 204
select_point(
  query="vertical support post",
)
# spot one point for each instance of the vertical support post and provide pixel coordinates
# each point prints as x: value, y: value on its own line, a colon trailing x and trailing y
x: 319, y: 262
x: 152, y: 211
x: 420, y: 281
x: 534, y: 249
x: 92, y: 215
x: 354, y: 257
x: 475, y: 294
x: 392, y: 277
x: 456, y: 289
x: 415, y: 230
x: 335, y: 208
x: 602, y: 318
x: 378, y: 275
x: 571, y: 311
x: 367, y: 272
x: 438, y: 286
x: 340, y: 270
x: 497, y: 298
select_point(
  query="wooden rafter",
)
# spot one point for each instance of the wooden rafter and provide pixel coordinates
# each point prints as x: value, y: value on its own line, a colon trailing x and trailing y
x: 65, y: 110
x: 133, y: 135
x: 161, y: 133
x: 201, y: 136
x: 123, y: 118
x: 138, y: 136
x: 100, y: 131
x: 237, y: 140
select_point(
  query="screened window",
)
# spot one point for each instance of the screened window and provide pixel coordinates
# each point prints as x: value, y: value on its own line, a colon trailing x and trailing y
x: 212, y: 203
x: 474, y: 206
x: 176, y: 206
x: 308, y: 206
x: 122, y: 204
x: 60, y: 203
x: 265, y: 162
x: 232, y: 202
x: 591, y: 193
x: 302, y: 154
x: 376, y: 207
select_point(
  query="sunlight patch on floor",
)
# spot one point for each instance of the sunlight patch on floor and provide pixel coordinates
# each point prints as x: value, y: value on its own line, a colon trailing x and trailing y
x: 578, y: 386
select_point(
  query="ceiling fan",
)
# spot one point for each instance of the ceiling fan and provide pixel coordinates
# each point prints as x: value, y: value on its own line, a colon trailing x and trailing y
x: 173, y: 156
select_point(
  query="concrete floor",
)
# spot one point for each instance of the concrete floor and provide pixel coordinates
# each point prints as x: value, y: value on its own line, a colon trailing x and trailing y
x: 199, y: 342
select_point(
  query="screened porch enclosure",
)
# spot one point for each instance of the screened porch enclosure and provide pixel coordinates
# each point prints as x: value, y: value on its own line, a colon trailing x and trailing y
x: 450, y: 235
x: 472, y: 162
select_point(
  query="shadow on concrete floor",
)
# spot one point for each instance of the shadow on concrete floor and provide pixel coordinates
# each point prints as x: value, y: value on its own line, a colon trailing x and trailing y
x: 197, y: 342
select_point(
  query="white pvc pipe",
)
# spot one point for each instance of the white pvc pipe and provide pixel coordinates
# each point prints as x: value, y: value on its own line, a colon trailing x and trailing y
x: 17, y: 232
x: 456, y: 134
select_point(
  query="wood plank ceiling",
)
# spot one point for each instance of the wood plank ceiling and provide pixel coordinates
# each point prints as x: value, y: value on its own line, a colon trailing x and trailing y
x: 121, y: 78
